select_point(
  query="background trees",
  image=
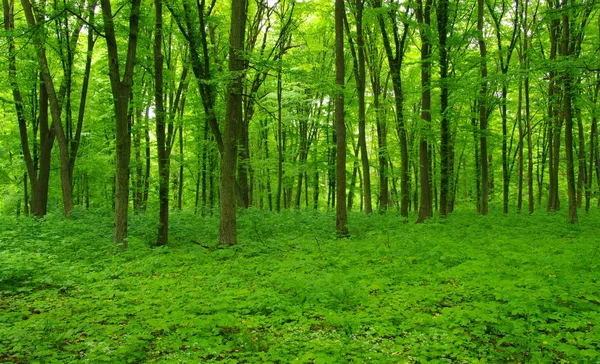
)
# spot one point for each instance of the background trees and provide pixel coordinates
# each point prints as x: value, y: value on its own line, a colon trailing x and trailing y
x: 535, y: 112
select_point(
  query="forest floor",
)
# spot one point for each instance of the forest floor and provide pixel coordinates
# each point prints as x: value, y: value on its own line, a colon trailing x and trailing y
x: 463, y: 289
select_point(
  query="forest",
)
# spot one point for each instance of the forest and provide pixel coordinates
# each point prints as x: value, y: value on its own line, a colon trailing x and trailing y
x: 300, y: 181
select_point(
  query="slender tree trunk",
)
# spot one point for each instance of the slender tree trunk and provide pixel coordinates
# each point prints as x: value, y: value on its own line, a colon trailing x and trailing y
x: 445, y: 148
x: 233, y: 119
x: 340, y: 128
x: 38, y: 165
x: 280, y: 172
x: 353, y: 179
x: 582, y: 173
x: 483, y: 110
x: 121, y: 89
x: 568, y: 114
x: 520, y: 148
x: 593, y: 151
x: 555, y: 121
x: 505, y: 173
x: 423, y: 17
x: 362, y: 141
x: 530, y: 193
x: 148, y: 161
x: 180, y: 189
x: 25, y: 194
x: 395, y: 58
x: 55, y: 111
x: 163, y: 153
x: 478, y: 159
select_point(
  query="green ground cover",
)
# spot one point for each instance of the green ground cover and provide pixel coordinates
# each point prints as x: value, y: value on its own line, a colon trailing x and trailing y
x: 463, y: 289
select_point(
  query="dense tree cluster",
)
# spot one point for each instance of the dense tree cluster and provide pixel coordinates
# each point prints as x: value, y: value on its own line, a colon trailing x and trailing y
x: 216, y: 105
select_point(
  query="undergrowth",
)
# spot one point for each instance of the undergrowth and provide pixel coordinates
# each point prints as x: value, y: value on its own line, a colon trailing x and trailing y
x: 462, y: 289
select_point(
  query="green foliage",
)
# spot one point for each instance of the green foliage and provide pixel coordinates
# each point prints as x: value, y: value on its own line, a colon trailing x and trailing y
x: 462, y: 289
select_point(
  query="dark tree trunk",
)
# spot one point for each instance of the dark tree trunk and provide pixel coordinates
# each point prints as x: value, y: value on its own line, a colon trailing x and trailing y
x: 353, y: 179
x: 121, y: 89
x: 423, y: 16
x: 233, y: 119
x: 445, y: 147
x: 341, y: 217
x: 395, y: 57
x: 180, y: 187
x: 361, y: 81
x: 280, y: 172
x: 38, y: 165
x: 162, y: 147
x: 25, y: 194
x: 476, y: 139
x: 568, y: 114
x: 582, y: 172
x: 483, y: 110
x: 593, y: 150
x: 56, y: 100
x: 504, y: 67
x: 555, y: 123
x: 530, y: 193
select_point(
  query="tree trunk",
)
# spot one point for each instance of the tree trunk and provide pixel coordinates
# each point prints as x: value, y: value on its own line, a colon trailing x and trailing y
x: 279, y: 140
x: 593, y: 150
x: 477, y: 144
x: 163, y: 154
x: 38, y: 165
x: 341, y: 217
x: 423, y: 17
x: 353, y: 179
x: 582, y: 172
x: 445, y: 147
x: 361, y: 81
x: 555, y: 123
x: 180, y: 188
x: 483, y: 110
x: 121, y: 89
x: 233, y: 119
x: 568, y: 114
x: 395, y: 58
x: 55, y: 111
x: 25, y: 194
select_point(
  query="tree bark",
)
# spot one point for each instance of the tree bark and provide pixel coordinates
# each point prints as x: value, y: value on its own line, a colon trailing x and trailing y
x: 121, y: 89
x: 38, y: 165
x: 361, y: 82
x: 163, y: 154
x: 568, y: 114
x: 483, y: 110
x: 233, y: 118
x: 424, y: 19
x: 341, y: 216
x: 395, y: 57
x: 445, y: 147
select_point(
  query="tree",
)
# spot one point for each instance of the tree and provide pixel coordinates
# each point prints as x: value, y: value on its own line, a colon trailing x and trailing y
x: 445, y: 147
x: 163, y: 155
x: 233, y: 119
x: 360, y: 76
x: 341, y: 217
x: 395, y: 57
x: 504, y: 57
x: 37, y: 158
x: 424, y: 19
x: 483, y: 110
x: 121, y: 89
x: 59, y: 99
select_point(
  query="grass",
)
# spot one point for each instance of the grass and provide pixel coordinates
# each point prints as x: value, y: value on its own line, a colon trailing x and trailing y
x: 458, y: 290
